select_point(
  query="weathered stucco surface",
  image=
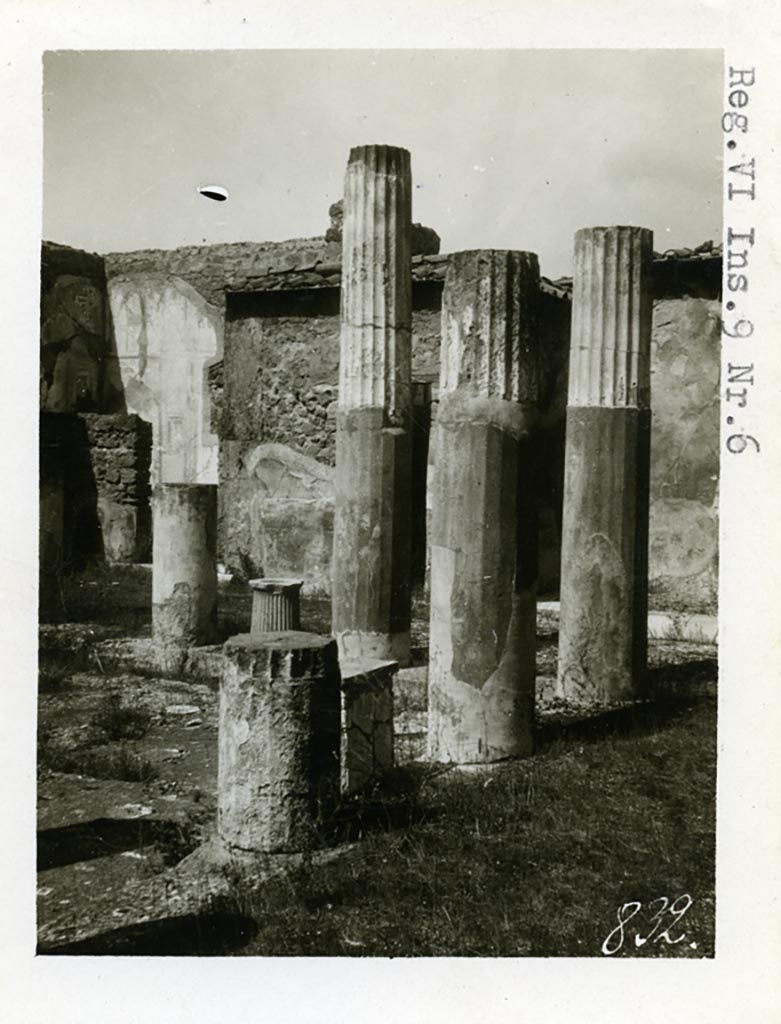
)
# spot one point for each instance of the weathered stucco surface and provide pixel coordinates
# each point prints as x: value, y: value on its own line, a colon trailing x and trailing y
x: 76, y: 337
x: 685, y: 354
x: 684, y: 446
x: 276, y: 513
x: 166, y: 333
x: 278, y: 399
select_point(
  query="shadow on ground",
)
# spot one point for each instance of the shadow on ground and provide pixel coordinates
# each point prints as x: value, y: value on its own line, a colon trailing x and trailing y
x: 215, y: 934
x: 674, y: 689
x: 105, y: 837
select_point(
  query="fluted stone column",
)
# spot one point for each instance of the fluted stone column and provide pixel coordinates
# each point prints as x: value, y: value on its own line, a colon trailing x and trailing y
x: 604, y: 557
x: 184, y: 567
x: 371, y: 564
x: 483, y: 538
x: 276, y: 605
x: 278, y: 762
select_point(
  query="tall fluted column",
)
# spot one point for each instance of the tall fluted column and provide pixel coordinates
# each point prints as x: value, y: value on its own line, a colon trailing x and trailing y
x: 604, y: 557
x: 483, y: 538
x: 371, y: 565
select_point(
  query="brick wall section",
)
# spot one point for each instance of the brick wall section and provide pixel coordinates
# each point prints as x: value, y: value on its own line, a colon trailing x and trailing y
x: 105, y: 463
x: 120, y: 449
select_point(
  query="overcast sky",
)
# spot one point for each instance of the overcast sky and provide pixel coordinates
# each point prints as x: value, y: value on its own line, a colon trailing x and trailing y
x: 510, y: 148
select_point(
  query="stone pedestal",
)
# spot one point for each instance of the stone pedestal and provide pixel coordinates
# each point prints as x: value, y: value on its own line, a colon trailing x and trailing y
x: 367, y: 722
x: 278, y: 768
x: 483, y: 537
x: 371, y: 563
x: 276, y: 605
x: 184, y: 567
x: 604, y: 557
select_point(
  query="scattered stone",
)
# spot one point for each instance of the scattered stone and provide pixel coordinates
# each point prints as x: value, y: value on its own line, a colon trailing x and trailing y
x: 132, y: 811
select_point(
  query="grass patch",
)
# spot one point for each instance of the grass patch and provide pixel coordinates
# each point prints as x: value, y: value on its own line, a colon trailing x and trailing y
x: 104, y: 750
x: 54, y: 679
x: 531, y: 859
x: 120, y: 722
x: 105, y: 761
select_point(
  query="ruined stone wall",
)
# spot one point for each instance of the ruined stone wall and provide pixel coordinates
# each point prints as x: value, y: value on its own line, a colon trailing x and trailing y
x: 100, y: 455
x: 168, y: 316
x: 167, y: 336
x: 685, y: 394
x: 209, y: 269
x: 103, y: 462
x: 280, y: 374
x: 276, y: 386
x: 120, y: 449
x: 684, y: 453
x: 76, y: 339
x: 276, y: 391
x: 277, y: 433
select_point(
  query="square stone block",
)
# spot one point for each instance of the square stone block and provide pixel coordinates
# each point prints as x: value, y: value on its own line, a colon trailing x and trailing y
x: 367, y: 722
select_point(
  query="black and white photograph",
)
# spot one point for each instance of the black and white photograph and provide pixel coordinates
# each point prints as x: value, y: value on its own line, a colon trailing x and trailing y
x: 379, y: 503
x: 397, y: 409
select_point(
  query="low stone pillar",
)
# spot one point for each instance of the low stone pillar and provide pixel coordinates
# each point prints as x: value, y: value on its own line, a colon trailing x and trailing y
x: 372, y: 517
x: 276, y: 605
x: 367, y: 722
x: 184, y: 567
x: 483, y: 536
x: 278, y: 762
x: 604, y: 555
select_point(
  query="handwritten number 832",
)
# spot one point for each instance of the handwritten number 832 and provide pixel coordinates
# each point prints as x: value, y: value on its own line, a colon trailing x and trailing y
x: 625, y: 913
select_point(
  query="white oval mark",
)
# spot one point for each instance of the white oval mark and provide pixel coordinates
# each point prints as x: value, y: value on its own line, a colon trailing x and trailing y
x: 216, y: 192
